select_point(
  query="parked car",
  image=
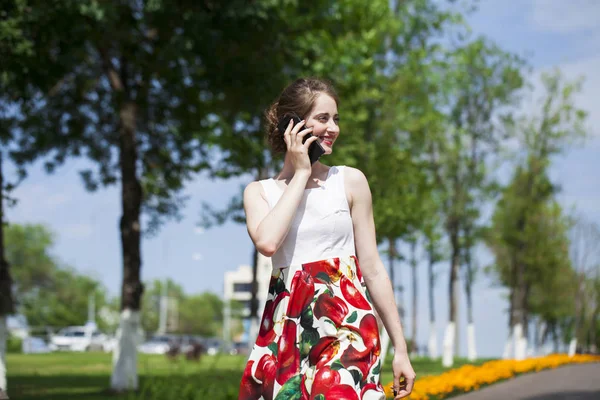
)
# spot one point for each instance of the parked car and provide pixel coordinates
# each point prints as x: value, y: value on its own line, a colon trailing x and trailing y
x: 78, y: 338
x: 213, y: 346
x: 158, y: 344
x: 239, y: 348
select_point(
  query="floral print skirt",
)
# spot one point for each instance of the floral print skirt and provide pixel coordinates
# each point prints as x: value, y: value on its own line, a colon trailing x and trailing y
x: 318, y: 337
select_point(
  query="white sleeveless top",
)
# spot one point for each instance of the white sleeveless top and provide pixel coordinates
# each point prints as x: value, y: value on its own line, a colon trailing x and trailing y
x: 322, y: 227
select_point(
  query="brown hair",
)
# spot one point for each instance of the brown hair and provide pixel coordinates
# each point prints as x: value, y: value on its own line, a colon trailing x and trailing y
x: 299, y: 97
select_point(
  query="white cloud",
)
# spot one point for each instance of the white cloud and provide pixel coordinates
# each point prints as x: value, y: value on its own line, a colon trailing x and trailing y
x: 563, y: 16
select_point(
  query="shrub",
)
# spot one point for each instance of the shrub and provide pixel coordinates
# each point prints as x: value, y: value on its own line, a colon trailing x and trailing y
x: 14, y: 345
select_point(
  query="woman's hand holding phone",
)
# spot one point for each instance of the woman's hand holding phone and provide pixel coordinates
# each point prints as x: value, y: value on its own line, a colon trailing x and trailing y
x: 294, y: 136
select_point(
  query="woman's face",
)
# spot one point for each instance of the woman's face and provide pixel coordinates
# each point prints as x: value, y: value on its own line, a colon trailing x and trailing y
x: 324, y: 120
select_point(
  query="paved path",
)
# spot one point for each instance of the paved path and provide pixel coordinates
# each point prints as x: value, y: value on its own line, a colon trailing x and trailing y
x: 573, y: 382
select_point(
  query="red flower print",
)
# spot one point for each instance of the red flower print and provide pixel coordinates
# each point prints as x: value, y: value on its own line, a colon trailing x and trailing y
x: 249, y: 388
x: 331, y: 307
x: 325, y: 379
x: 288, y: 354
x: 358, y: 272
x: 303, y: 392
x: 302, y: 293
x: 367, y: 387
x: 265, y: 372
x: 369, y: 331
x: 322, y: 352
x: 341, y: 392
x: 363, y: 360
x: 266, y: 334
x: 352, y: 295
x: 324, y: 270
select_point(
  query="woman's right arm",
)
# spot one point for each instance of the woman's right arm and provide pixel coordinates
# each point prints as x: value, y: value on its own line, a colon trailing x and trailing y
x: 268, y: 228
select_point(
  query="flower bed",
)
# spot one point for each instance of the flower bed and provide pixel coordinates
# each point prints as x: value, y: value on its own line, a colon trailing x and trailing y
x: 468, y: 378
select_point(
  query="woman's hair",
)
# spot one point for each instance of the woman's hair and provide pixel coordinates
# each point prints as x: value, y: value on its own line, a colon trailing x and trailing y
x: 299, y: 98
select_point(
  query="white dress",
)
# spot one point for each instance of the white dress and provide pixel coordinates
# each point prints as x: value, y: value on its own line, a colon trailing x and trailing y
x: 318, y: 337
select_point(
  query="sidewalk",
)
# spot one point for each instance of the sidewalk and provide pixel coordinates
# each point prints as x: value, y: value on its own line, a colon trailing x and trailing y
x: 573, y: 382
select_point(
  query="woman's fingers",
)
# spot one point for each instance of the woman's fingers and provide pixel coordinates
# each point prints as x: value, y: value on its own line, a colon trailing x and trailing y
x: 310, y: 140
x: 301, y: 135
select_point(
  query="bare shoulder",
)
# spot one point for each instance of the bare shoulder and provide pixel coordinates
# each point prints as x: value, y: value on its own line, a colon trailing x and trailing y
x: 253, y: 191
x: 355, y: 176
x: 357, y: 185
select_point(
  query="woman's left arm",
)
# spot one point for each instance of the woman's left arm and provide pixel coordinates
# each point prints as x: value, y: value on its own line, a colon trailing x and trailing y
x: 374, y: 273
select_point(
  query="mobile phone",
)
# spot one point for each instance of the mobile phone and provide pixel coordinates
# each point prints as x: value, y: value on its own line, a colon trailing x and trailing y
x: 315, y: 150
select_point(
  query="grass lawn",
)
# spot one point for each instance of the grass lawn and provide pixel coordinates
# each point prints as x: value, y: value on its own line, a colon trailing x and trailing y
x: 86, y: 376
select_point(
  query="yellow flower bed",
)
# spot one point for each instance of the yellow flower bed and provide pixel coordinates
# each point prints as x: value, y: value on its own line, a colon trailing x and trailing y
x: 468, y: 377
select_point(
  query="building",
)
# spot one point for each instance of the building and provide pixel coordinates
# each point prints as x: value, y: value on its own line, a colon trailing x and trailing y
x: 238, y: 287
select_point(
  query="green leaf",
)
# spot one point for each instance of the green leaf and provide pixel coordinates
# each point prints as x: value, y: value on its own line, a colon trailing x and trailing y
x: 290, y: 389
x: 377, y: 369
x: 352, y: 317
x: 368, y: 295
x: 307, y: 319
x: 273, y: 348
x: 337, y: 365
x: 356, y: 375
x: 320, y: 397
x: 308, y: 339
x: 323, y: 277
x: 279, y: 286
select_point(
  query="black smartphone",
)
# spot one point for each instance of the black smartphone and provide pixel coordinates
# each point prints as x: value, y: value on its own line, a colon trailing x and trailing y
x: 315, y: 150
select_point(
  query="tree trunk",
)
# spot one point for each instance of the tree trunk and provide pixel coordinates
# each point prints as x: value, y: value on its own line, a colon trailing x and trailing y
x: 413, y: 267
x: 471, y: 346
x: 124, y: 375
x: 578, y: 314
x: 262, y: 174
x: 6, y: 300
x: 432, y: 343
x: 450, y: 337
x: 594, y: 329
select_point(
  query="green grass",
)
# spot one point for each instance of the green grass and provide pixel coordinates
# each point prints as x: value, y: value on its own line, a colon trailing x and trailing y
x: 86, y: 376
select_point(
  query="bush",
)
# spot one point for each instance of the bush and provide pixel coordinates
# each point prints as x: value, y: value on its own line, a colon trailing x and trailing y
x: 14, y: 345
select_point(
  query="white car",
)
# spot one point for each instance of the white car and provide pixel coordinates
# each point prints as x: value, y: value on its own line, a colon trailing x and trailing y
x: 156, y: 345
x: 78, y: 338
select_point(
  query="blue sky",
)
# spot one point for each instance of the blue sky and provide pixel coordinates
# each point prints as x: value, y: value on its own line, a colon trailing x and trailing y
x: 551, y: 33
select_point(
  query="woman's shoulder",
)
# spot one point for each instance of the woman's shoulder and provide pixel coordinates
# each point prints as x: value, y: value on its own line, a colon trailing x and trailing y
x: 255, y: 189
x: 353, y: 175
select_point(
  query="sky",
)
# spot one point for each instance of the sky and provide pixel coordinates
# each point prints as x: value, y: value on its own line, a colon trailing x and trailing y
x: 549, y: 33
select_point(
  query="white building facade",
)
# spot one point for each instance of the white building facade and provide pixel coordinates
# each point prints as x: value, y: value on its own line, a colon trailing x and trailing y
x: 238, y: 287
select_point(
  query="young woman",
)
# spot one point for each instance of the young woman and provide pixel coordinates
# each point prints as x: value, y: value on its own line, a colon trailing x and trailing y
x: 318, y: 336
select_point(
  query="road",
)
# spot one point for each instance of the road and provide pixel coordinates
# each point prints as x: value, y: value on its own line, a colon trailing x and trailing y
x: 573, y: 382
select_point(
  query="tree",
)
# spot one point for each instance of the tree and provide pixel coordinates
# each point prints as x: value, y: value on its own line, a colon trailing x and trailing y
x: 584, y: 251
x: 143, y: 90
x: 6, y: 299
x: 432, y: 235
x: 480, y: 82
x: 28, y: 247
x: 201, y: 314
x: 48, y: 294
x: 347, y: 55
x: 155, y: 310
x: 543, y: 135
